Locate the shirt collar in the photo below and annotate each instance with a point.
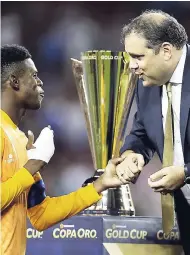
(177, 76)
(7, 119)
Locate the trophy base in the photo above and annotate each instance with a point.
(114, 201)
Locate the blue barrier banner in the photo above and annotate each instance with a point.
(138, 235)
(96, 235)
(79, 235)
(137, 230)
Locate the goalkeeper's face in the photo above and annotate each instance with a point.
(31, 93)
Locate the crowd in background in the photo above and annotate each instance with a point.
(54, 32)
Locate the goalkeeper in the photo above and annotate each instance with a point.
(22, 188)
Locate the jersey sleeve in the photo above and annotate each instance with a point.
(52, 210)
(14, 186)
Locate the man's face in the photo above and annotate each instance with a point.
(152, 68)
(30, 86)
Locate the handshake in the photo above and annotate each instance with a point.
(118, 171)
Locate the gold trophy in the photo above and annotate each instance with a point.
(106, 88)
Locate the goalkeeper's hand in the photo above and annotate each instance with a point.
(40, 152)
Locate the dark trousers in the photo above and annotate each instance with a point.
(182, 208)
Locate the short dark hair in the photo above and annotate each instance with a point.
(11, 57)
(156, 32)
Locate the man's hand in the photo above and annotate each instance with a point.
(43, 148)
(109, 178)
(130, 168)
(40, 152)
(167, 179)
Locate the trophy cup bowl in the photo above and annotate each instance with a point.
(106, 89)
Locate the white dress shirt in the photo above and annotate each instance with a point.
(177, 79)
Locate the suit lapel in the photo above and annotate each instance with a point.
(185, 98)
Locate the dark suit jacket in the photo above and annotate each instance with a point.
(147, 137)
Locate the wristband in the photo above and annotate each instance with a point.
(187, 174)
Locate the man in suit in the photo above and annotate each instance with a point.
(160, 56)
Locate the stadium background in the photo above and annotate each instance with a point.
(54, 32)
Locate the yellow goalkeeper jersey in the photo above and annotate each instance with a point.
(23, 194)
